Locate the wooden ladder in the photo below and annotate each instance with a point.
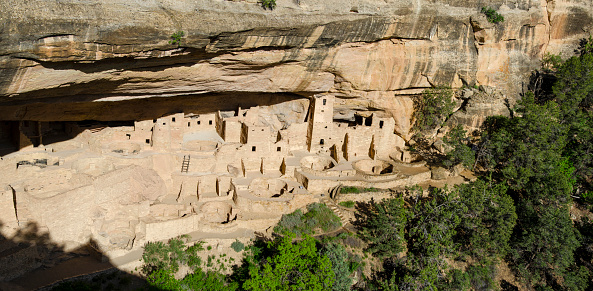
(185, 165)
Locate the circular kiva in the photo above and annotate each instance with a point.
(373, 167)
(267, 187)
(317, 163)
(216, 211)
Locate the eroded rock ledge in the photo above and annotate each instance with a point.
(372, 54)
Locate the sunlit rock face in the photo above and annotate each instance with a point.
(371, 54)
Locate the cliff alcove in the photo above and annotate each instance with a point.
(112, 132)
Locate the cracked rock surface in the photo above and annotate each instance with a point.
(371, 54)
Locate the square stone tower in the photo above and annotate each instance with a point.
(321, 117)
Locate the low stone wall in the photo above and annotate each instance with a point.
(162, 230)
(363, 197)
(315, 184)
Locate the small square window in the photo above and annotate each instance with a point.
(154, 121)
(147, 140)
(173, 119)
(321, 141)
(164, 123)
(210, 122)
(278, 149)
(253, 148)
(199, 122)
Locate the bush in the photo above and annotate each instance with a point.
(349, 190)
(492, 15)
(318, 216)
(268, 4)
(476, 277)
(176, 37)
(347, 204)
(433, 108)
(371, 189)
(237, 246)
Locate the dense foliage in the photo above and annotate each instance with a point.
(162, 261)
(433, 107)
(293, 266)
(317, 217)
(461, 152)
(470, 221)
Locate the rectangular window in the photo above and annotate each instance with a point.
(324, 101)
(278, 149)
(253, 148)
(188, 124)
(210, 122)
(148, 141)
(199, 122)
(173, 119)
(321, 141)
(381, 124)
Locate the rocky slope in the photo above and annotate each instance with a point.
(372, 54)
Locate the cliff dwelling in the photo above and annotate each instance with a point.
(126, 123)
(128, 182)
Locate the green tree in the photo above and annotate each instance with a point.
(381, 225)
(545, 243)
(524, 149)
(162, 261)
(475, 277)
(461, 152)
(487, 226)
(429, 232)
(292, 266)
(574, 94)
(527, 154)
(337, 255)
(168, 256)
(433, 108)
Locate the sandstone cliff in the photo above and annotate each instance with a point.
(372, 54)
